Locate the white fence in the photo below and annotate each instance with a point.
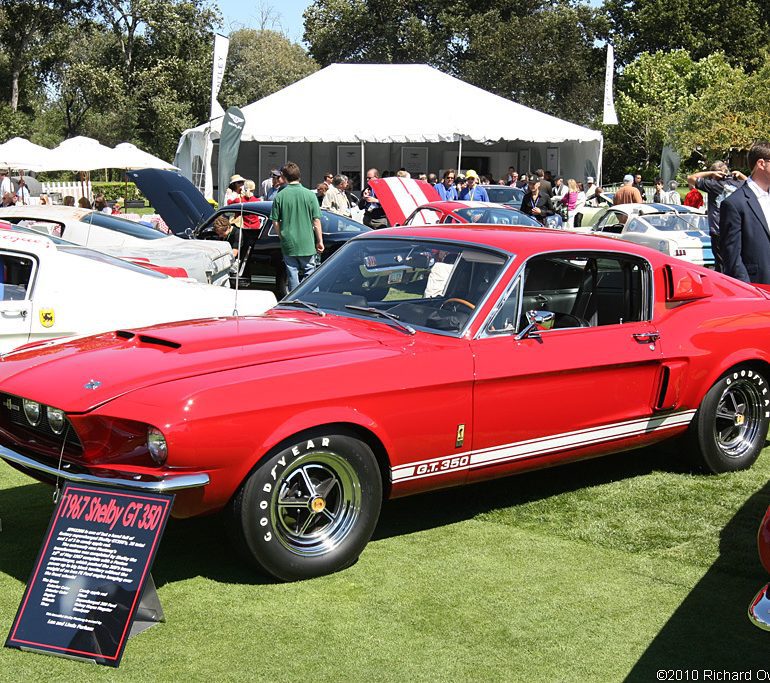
(58, 191)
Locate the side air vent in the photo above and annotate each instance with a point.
(148, 339)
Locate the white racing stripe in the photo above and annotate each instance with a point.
(405, 200)
(496, 455)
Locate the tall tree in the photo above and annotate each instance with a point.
(25, 26)
(728, 114)
(542, 53)
(259, 63)
(738, 29)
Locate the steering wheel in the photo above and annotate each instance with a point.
(458, 301)
(568, 320)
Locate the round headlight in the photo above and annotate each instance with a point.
(56, 419)
(32, 412)
(156, 444)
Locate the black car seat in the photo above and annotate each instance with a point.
(586, 302)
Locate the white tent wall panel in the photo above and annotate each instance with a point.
(576, 159)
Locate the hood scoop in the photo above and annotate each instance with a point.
(147, 339)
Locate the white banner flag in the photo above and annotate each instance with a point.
(221, 46)
(610, 117)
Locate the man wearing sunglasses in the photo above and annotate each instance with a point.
(446, 189)
(744, 222)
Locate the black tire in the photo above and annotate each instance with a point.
(729, 430)
(335, 482)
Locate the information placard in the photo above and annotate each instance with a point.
(89, 576)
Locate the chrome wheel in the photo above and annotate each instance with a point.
(315, 504)
(739, 417)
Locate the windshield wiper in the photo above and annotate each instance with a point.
(383, 314)
(313, 308)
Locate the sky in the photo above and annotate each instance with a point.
(287, 13)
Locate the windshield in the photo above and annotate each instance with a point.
(667, 222)
(423, 283)
(501, 194)
(123, 225)
(332, 223)
(697, 221)
(496, 216)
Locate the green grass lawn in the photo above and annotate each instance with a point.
(605, 570)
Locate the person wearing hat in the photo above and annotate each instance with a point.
(234, 189)
(627, 194)
(590, 187)
(117, 207)
(472, 192)
(271, 185)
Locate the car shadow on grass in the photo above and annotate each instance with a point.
(439, 508)
(710, 630)
(200, 547)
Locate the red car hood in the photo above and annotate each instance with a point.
(400, 196)
(57, 373)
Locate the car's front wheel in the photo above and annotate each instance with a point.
(729, 430)
(311, 508)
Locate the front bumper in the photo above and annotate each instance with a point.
(134, 482)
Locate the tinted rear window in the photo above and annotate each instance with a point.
(105, 220)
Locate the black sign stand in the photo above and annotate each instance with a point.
(149, 612)
(91, 587)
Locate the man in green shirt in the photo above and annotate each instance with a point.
(297, 220)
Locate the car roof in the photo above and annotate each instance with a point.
(517, 239)
(261, 206)
(50, 212)
(654, 207)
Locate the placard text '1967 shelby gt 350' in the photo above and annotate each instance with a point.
(414, 359)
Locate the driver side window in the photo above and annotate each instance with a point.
(583, 290)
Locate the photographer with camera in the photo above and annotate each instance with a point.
(719, 182)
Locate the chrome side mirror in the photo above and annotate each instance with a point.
(759, 610)
(538, 320)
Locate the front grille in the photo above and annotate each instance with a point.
(15, 422)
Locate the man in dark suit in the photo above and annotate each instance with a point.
(536, 203)
(744, 222)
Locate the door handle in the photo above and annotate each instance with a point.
(15, 314)
(541, 299)
(646, 337)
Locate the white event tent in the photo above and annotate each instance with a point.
(21, 154)
(348, 117)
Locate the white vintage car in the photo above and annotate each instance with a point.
(678, 233)
(50, 288)
(202, 260)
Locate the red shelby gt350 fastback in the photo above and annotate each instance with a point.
(414, 359)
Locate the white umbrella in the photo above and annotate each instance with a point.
(81, 154)
(24, 155)
(129, 156)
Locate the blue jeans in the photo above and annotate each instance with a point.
(298, 268)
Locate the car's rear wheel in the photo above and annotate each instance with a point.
(729, 430)
(311, 508)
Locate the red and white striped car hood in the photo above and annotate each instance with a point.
(400, 196)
